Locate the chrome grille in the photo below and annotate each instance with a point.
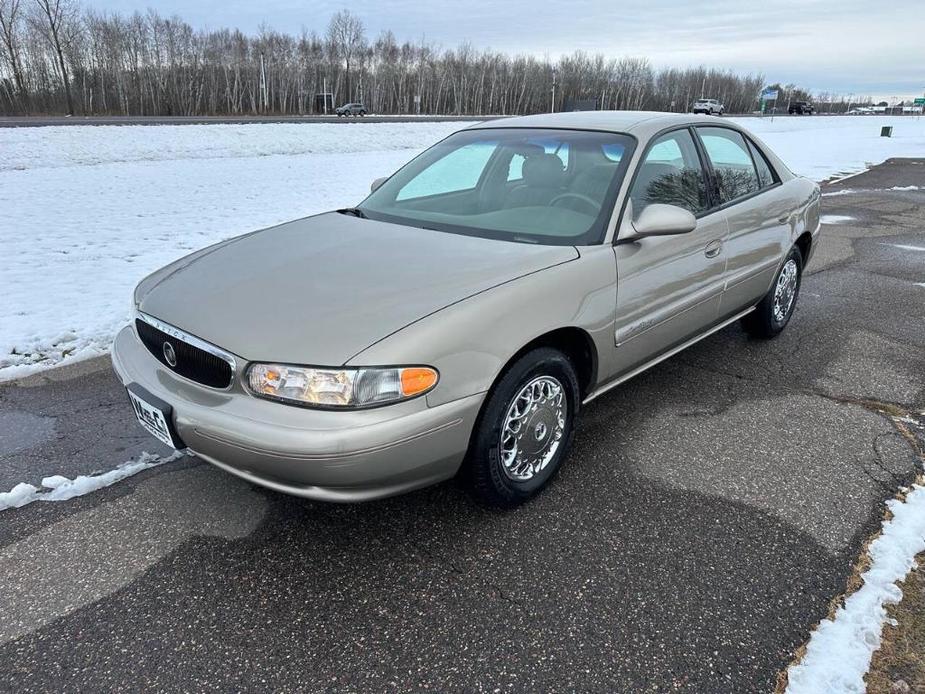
(197, 364)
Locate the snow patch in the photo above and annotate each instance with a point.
(95, 209)
(835, 219)
(62, 147)
(839, 651)
(60, 488)
(827, 147)
(905, 188)
(844, 191)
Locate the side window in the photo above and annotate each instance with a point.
(735, 171)
(671, 173)
(459, 170)
(765, 175)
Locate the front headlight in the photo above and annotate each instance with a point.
(339, 388)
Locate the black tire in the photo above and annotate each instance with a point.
(764, 322)
(489, 478)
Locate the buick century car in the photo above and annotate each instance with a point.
(458, 319)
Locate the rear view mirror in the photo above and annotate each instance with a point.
(664, 220)
(378, 182)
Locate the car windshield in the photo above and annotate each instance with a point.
(554, 187)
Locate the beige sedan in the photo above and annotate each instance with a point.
(461, 316)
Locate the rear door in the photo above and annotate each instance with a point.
(668, 287)
(757, 223)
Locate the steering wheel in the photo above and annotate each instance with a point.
(591, 202)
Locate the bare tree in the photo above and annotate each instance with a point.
(147, 64)
(10, 32)
(346, 38)
(57, 21)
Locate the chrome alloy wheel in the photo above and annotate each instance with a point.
(533, 428)
(785, 291)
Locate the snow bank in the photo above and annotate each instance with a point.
(89, 211)
(822, 147)
(61, 488)
(839, 651)
(67, 146)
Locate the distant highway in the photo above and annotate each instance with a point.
(40, 121)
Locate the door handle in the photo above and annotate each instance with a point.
(713, 248)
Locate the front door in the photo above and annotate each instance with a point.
(668, 287)
(758, 224)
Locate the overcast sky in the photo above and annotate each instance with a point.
(847, 46)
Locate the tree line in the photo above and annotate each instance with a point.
(57, 57)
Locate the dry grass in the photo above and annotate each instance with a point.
(901, 657)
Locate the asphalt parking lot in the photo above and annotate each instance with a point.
(711, 510)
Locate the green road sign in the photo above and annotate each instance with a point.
(919, 102)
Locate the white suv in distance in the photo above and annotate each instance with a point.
(709, 107)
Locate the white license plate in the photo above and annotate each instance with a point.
(153, 418)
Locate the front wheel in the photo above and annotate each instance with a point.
(525, 429)
(773, 312)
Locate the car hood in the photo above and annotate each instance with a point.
(321, 289)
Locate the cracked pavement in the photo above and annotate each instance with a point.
(710, 511)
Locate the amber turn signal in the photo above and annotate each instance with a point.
(416, 380)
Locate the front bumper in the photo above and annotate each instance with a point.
(319, 454)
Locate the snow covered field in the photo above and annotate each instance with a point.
(89, 211)
(85, 212)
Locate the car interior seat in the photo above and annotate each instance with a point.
(543, 179)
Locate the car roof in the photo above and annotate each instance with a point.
(642, 124)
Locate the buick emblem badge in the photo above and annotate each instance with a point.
(170, 354)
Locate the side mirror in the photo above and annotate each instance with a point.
(378, 182)
(664, 220)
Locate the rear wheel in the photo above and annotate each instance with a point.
(773, 313)
(525, 429)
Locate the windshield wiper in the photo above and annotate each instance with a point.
(355, 211)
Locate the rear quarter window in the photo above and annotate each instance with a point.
(732, 162)
(766, 175)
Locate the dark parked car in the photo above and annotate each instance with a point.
(351, 110)
(800, 108)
